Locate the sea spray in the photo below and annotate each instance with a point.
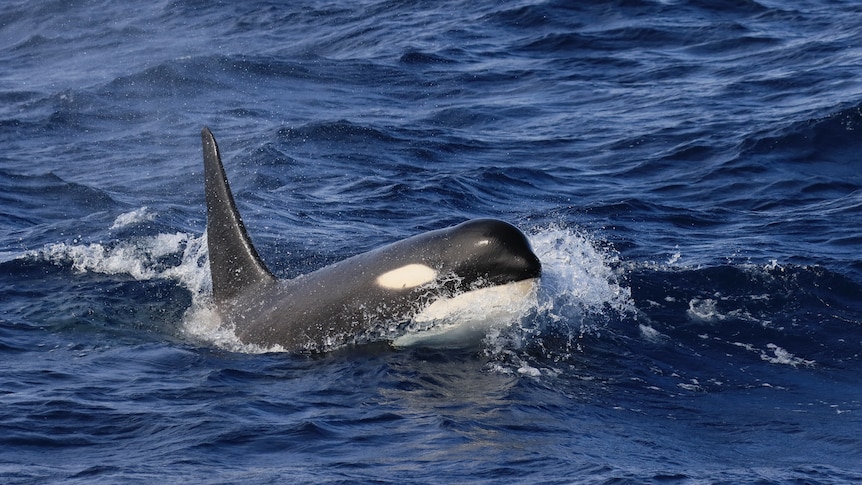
(580, 292)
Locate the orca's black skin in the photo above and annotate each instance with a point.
(342, 303)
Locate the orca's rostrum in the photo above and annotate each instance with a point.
(420, 278)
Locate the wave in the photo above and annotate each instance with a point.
(22, 198)
(830, 138)
(341, 130)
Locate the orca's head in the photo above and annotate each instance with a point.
(486, 271)
(489, 252)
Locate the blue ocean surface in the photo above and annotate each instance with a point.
(688, 171)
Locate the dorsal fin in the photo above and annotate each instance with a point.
(234, 263)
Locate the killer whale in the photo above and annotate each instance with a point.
(359, 299)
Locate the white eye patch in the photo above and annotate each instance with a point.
(409, 276)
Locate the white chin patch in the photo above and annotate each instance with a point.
(464, 320)
(405, 277)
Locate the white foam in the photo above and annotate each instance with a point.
(779, 355)
(707, 311)
(131, 218)
(651, 334)
(203, 323)
(704, 310)
(782, 356)
(140, 258)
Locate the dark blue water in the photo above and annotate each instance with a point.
(690, 173)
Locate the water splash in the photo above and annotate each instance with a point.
(580, 293)
(132, 218)
(577, 275)
(179, 257)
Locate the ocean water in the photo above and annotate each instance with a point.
(689, 172)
